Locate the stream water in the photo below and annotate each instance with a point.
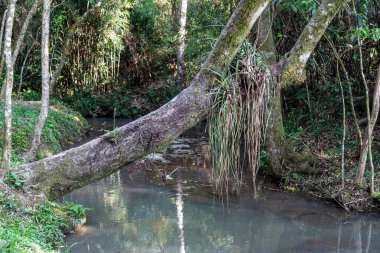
(164, 204)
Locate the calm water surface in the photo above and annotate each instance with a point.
(163, 204)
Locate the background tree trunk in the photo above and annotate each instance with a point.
(36, 138)
(7, 132)
(181, 43)
(369, 131)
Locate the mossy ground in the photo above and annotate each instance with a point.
(37, 229)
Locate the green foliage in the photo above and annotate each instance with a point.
(237, 120)
(62, 125)
(14, 181)
(75, 210)
(226, 129)
(91, 104)
(301, 6)
(37, 229)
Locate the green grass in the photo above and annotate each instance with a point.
(37, 229)
(62, 126)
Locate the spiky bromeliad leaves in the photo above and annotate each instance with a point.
(238, 121)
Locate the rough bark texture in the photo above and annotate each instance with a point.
(282, 158)
(6, 152)
(52, 177)
(181, 42)
(368, 133)
(294, 68)
(36, 138)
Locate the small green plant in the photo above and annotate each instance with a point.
(34, 229)
(296, 176)
(76, 210)
(14, 181)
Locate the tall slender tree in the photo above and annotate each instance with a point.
(181, 42)
(365, 148)
(7, 131)
(45, 80)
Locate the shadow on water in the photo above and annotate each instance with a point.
(166, 205)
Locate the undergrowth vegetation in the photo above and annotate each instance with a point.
(35, 229)
(318, 125)
(39, 228)
(62, 126)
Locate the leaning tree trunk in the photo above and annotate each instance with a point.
(181, 43)
(282, 158)
(7, 131)
(36, 141)
(54, 176)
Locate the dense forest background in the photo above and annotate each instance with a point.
(123, 54)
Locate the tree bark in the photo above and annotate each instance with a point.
(36, 138)
(282, 158)
(294, 71)
(181, 43)
(7, 132)
(368, 133)
(54, 176)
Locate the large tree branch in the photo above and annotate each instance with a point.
(293, 71)
(52, 177)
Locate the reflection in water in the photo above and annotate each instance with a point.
(136, 212)
(179, 204)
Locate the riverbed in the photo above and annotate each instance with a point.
(164, 203)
